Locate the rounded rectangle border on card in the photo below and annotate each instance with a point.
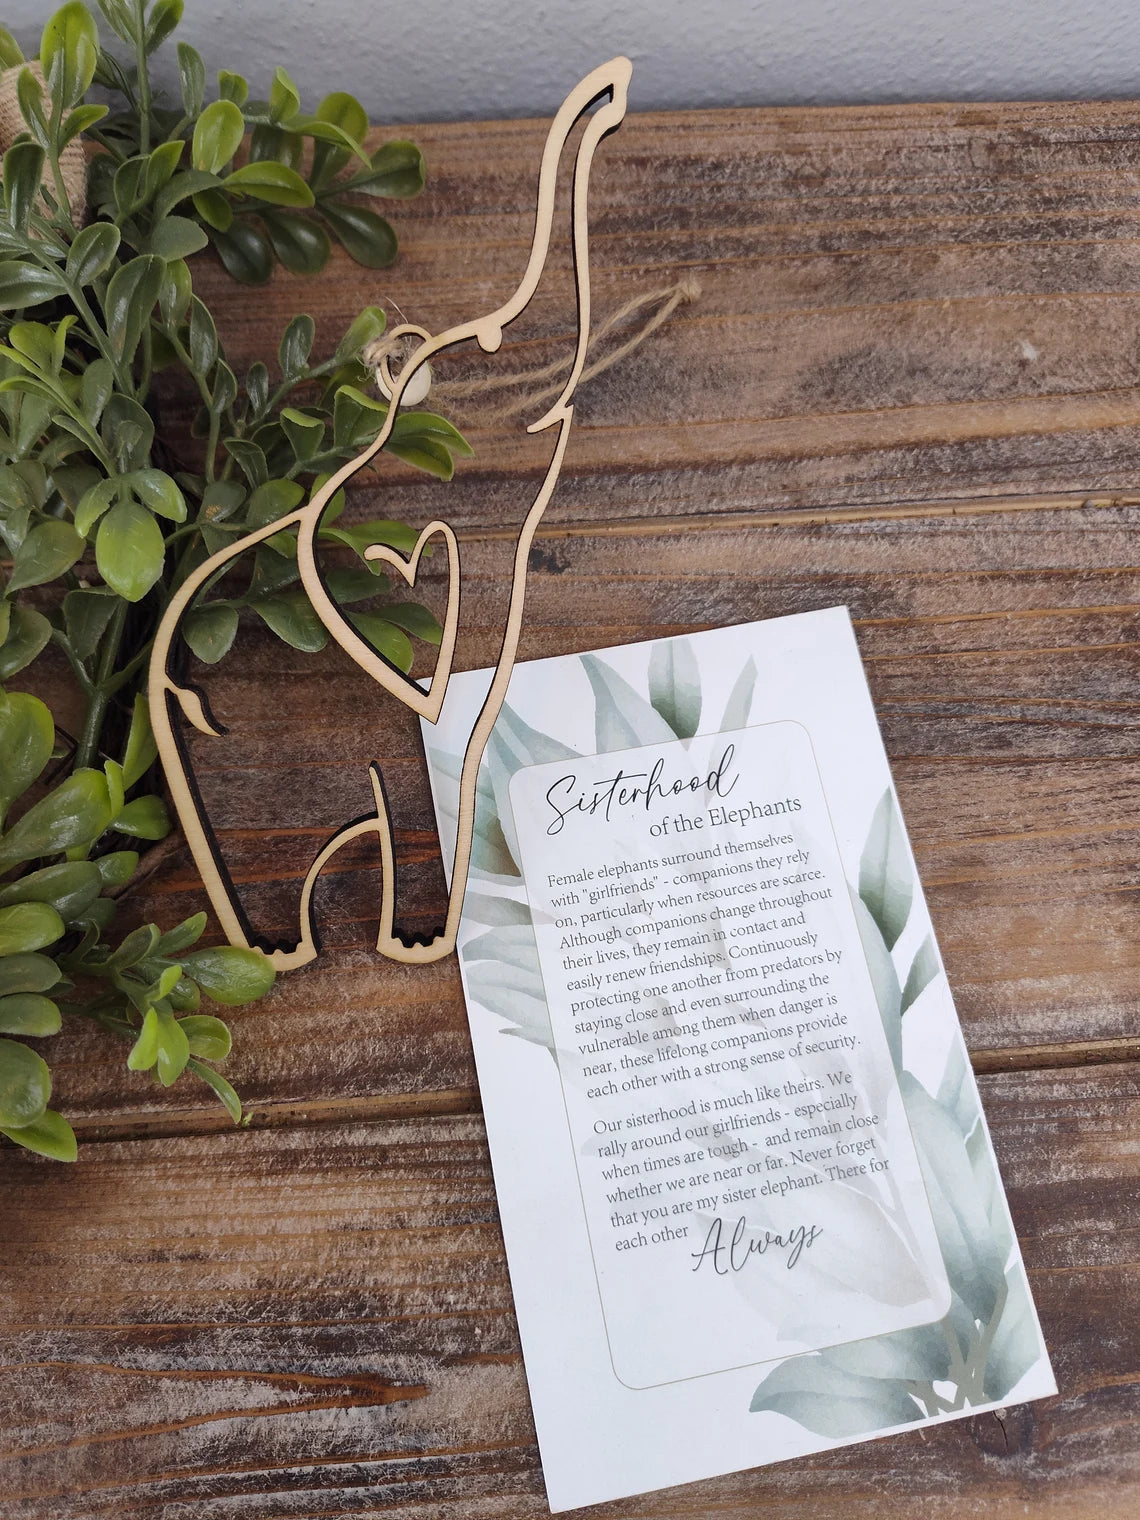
(749, 1182)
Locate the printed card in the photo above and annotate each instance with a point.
(749, 1200)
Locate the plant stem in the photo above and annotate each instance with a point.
(88, 748)
(143, 78)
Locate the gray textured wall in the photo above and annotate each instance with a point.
(455, 59)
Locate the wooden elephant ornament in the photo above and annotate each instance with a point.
(174, 702)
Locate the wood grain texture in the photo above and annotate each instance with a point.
(910, 384)
(1002, 652)
(317, 1322)
(898, 304)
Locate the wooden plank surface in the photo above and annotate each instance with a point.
(909, 384)
(317, 1322)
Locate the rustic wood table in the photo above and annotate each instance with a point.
(911, 383)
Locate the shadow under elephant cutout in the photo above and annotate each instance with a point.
(176, 705)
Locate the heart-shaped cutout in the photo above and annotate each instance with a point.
(426, 703)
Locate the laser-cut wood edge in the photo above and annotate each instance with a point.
(167, 694)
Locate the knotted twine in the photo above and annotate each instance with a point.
(545, 383)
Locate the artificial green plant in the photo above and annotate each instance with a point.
(103, 513)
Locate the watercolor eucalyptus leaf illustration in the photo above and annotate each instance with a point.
(675, 686)
(885, 884)
(482, 908)
(989, 1339)
(739, 705)
(623, 718)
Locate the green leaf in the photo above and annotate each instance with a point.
(27, 735)
(164, 18)
(10, 54)
(50, 1135)
(249, 457)
(183, 935)
(131, 295)
(141, 750)
(385, 638)
(117, 868)
(29, 1014)
(160, 167)
(144, 818)
(139, 945)
(177, 237)
(417, 426)
(115, 789)
(191, 78)
(129, 550)
(885, 880)
(96, 389)
(361, 536)
(270, 181)
(397, 172)
(300, 244)
(246, 254)
(69, 51)
(217, 136)
(27, 973)
(208, 1037)
(415, 619)
(344, 111)
(144, 1052)
(356, 583)
(232, 87)
(365, 329)
(366, 237)
(129, 186)
(210, 631)
(86, 614)
(24, 285)
(23, 169)
(357, 418)
(424, 453)
(305, 434)
(28, 632)
(272, 500)
(284, 99)
(675, 686)
(214, 209)
(25, 927)
(272, 571)
(174, 292)
(219, 1084)
(49, 550)
(203, 338)
(69, 888)
(30, 96)
(295, 347)
(230, 974)
(25, 1085)
(156, 489)
(81, 120)
(291, 617)
(128, 431)
(70, 817)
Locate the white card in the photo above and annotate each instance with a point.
(749, 1201)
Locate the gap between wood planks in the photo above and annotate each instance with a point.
(630, 527)
(451, 1102)
(458, 1101)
